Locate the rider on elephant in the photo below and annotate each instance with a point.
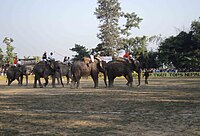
(51, 58)
(127, 56)
(44, 56)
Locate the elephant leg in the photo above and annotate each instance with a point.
(95, 80)
(67, 79)
(46, 81)
(72, 86)
(9, 82)
(58, 80)
(77, 81)
(53, 81)
(127, 78)
(130, 79)
(35, 82)
(110, 81)
(105, 80)
(139, 75)
(61, 80)
(40, 84)
(78, 84)
(73, 82)
(146, 81)
(26, 80)
(19, 81)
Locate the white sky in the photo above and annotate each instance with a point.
(57, 25)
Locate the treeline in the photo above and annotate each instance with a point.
(181, 52)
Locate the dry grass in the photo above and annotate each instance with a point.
(165, 107)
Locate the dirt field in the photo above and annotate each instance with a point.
(166, 107)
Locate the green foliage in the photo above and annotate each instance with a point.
(8, 58)
(137, 45)
(183, 50)
(1, 57)
(132, 21)
(81, 51)
(152, 61)
(195, 30)
(37, 58)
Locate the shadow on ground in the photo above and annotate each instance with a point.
(165, 107)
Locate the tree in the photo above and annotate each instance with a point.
(1, 57)
(152, 61)
(183, 50)
(8, 58)
(111, 33)
(81, 52)
(195, 30)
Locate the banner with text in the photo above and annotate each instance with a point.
(178, 74)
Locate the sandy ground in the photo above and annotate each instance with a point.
(165, 107)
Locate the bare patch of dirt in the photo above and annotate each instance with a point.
(165, 107)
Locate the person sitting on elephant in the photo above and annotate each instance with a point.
(19, 63)
(127, 56)
(98, 57)
(51, 58)
(66, 60)
(44, 56)
(15, 61)
(92, 55)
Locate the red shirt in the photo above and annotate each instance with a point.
(15, 61)
(127, 55)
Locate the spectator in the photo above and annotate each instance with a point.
(146, 75)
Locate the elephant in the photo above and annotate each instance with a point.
(18, 72)
(122, 68)
(65, 71)
(44, 69)
(83, 69)
(13, 73)
(25, 70)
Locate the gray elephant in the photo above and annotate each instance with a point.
(83, 69)
(123, 68)
(18, 72)
(25, 70)
(45, 69)
(13, 73)
(65, 70)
